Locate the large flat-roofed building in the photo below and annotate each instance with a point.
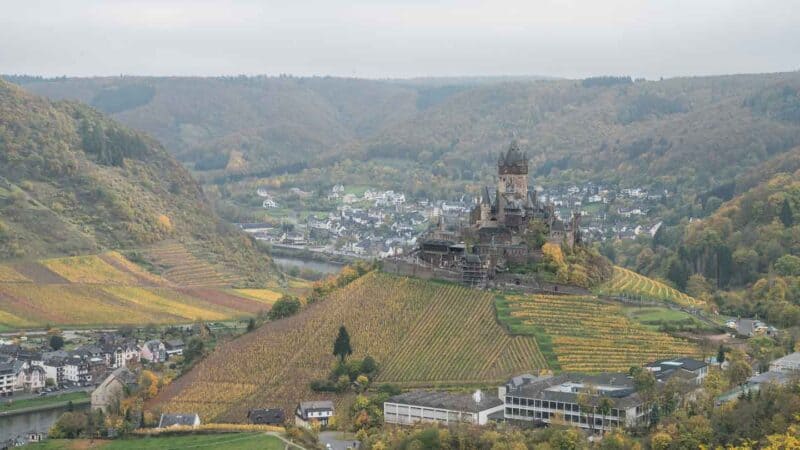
(544, 400)
(440, 407)
(788, 363)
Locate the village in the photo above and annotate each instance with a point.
(367, 222)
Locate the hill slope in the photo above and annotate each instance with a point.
(422, 334)
(74, 182)
(108, 289)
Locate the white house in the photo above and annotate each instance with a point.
(9, 370)
(174, 347)
(54, 370)
(310, 412)
(269, 203)
(76, 369)
(122, 355)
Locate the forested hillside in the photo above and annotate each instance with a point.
(691, 134)
(74, 182)
(744, 255)
(254, 125)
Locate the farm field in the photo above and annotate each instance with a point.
(223, 441)
(584, 334)
(629, 283)
(108, 289)
(420, 333)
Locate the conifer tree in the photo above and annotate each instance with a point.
(341, 346)
(786, 214)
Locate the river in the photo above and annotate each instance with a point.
(39, 421)
(316, 266)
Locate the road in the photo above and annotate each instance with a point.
(338, 440)
(25, 396)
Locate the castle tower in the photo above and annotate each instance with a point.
(512, 170)
(512, 180)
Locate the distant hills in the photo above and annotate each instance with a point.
(73, 182)
(692, 133)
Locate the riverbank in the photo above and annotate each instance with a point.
(309, 254)
(29, 405)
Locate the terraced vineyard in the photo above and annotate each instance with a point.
(8, 274)
(108, 289)
(421, 333)
(185, 269)
(586, 335)
(629, 283)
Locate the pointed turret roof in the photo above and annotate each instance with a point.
(513, 155)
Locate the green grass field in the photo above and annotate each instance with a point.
(228, 441)
(13, 405)
(654, 318)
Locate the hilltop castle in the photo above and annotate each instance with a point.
(501, 223)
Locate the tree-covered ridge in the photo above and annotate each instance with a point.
(74, 182)
(683, 133)
(745, 257)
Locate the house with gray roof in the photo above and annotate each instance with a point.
(440, 407)
(266, 416)
(111, 391)
(319, 412)
(179, 420)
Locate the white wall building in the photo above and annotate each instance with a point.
(440, 407)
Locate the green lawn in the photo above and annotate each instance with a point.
(654, 318)
(228, 441)
(75, 397)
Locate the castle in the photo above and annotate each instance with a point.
(501, 221)
(500, 225)
(513, 205)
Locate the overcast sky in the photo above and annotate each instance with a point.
(404, 38)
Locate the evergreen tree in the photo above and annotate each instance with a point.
(721, 354)
(341, 346)
(786, 214)
(678, 273)
(251, 324)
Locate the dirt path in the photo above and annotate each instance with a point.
(289, 444)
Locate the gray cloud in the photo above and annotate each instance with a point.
(399, 38)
